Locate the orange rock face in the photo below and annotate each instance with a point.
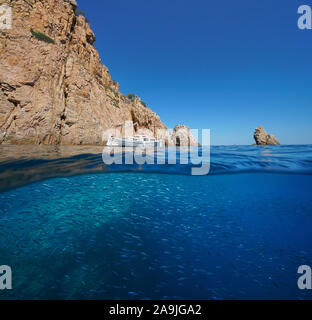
(58, 93)
(263, 138)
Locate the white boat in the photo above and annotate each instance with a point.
(135, 141)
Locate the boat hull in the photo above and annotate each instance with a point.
(119, 142)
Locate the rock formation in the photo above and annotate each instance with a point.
(57, 91)
(181, 136)
(263, 138)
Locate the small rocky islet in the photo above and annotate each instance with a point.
(263, 138)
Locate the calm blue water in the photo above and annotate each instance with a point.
(238, 233)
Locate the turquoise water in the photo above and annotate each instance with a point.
(240, 232)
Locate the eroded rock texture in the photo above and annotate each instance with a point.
(182, 136)
(263, 138)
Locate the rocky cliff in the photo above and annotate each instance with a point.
(263, 138)
(53, 87)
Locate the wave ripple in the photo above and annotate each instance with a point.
(21, 165)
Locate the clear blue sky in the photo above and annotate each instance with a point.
(225, 65)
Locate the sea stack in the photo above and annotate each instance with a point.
(182, 136)
(263, 138)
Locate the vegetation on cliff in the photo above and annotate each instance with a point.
(41, 36)
(131, 96)
(79, 12)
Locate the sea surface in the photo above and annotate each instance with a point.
(72, 227)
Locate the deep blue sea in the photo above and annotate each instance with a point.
(73, 228)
